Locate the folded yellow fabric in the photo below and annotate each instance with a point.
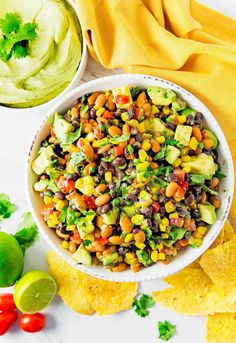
(180, 40)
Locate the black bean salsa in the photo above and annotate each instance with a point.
(129, 177)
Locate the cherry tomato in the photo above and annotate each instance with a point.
(66, 185)
(7, 302)
(7, 318)
(180, 174)
(118, 151)
(32, 322)
(179, 193)
(183, 184)
(47, 209)
(122, 99)
(155, 207)
(90, 201)
(102, 241)
(176, 221)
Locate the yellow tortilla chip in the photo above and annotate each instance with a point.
(68, 279)
(109, 297)
(193, 293)
(228, 232)
(86, 294)
(221, 328)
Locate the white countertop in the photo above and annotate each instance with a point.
(64, 325)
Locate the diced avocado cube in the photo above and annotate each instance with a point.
(61, 126)
(183, 134)
(53, 187)
(40, 164)
(109, 259)
(154, 125)
(187, 111)
(129, 210)
(154, 110)
(209, 134)
(143, 257)
(85, 225)
(53, 173)
(41, 185)
(207, 213)
(202, 164)
(172, 154)
(110, 217)
(178, 105)
(83, 256)
(125, 91)
(161, 96)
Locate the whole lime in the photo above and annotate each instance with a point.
(11, 260)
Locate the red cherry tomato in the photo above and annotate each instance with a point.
(118, 151)
(179, 193)
(32, 322)
(180, 174)
(155, 207)
(90, 201)
(183, 184)
(7, 302)
(7, 318)
(102, 241)
(176, 221)
(66, 185)
(122, 99)
(47, 209)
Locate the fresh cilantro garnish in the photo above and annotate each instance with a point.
(142, 305)
(27, 231)
(134, 91)
(83, 109)
(130, 149)
(124, 192)
(162, 182)
(108, 158)
(116, 202)
(161, 170)
(166, 330)
(174, 142)
(71, 217)
(87, 242)
(200, 145)
(103, 127)
(6, 207)
(219, 174)
(119, 139)
(208, 190)
(161, 154)
(62, 216)
(144, 257)
(15, 38)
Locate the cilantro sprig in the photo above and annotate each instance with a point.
(142, 305)
(166, 330)
(15, 37)
(6, 207)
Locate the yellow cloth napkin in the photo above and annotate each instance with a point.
(180, 40)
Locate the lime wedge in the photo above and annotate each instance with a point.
(34, 291)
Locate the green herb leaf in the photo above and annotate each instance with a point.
(19, 51)
(71, 217)
(119, 139)
(62, 216)
(142, 304)
(10, 23)
(83, 109)
(162, 182)
(87, 242)
(143, 257)
(166, 330)
(124, 192)
(200, 145)
(134, 91)
(130, 149)
(161, 154)
(6, 207)
(27, 231)
(219, 175)
(198, 178)
(208, 190)
(108, 158)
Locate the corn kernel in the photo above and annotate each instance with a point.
(160, 139)
(197, 234)
(161, 256)
(146, 145)
(60, 204)
(47, 200)
(71, 227)
(72, 148)
(187, 169)
(90, 237)
(162, 227)
(99, 143)
(140, 245)
(140, 178)
(120, 259)
(65, 245)
(195, 241)
(169, 207)
(202, 229)
(174, 251)
(173, 215)
(108, 177)
(182, 119)
(155, 197)
(166, 110)
(160, 247)
(52, 220)
(100, 111)
(177, 162)
(193, 143)
(142, 127)
(142, 155)
(130, 258)
(143, 166)
(90, 137)
(164, 235)
(137, 219)
(184, 151)
(125, 116)
(186, 158)
(154, 110)
(129, 238)
(133, 122)
(165, 221)
(70, 168)
(154, 256)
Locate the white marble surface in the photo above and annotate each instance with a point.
(64, 325)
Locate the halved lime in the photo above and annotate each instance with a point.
(34, 291)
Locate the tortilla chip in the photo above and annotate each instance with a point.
(86, 294)
(221, 328)
(228, 232)
(109, 297)
(67, 279)
(192, 293)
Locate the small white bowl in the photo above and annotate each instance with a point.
(185, 257)
(74, 82)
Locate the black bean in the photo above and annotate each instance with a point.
(172, 178)
(72, 177)
(187, 177)
(76, 122)
(181, 212)
(112, 185)
(120, 174)
(60, 167)
(92, 113)
(190, 119)
(97, 178)
(134, 130)
(118, 161)
(122, 250)
(198, 118)
(74, 208)
(62, 228)
(113, 194)
(60, 195)
(67, 117)
(136, 191)
(195, 215)
(122, 201)
(196, 189)
(163, 199)
(136, 230)
(149, 222)
(170, 125)
(155, 227)
(105, 208)
(132, 197)
(190, 199)
(198, 197)
(162, 210)
(162, 116)
(103, 167)
(147, 211)
(207, 151)
(139, 138)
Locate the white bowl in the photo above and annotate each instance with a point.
(74, 82)
(185, 257)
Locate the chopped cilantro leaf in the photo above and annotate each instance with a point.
(208, 190)
(161, 154)
(87, 242)
(142, 304)
(6, 207)
(27, 231)
(62, 216)
(130, 149)
(134, 91)
(166, 330)
(219, 174)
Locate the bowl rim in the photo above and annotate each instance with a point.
(73, 83)
(120, 277)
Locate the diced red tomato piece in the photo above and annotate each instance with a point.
(180, 174)
(65, 185)
(102, 241)
(118, 151)
(52, 132)
(176, 221)
(179, 193)
(155, 207)
(47, 209)
(122, 99)
(183, 184)
(90, 201)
